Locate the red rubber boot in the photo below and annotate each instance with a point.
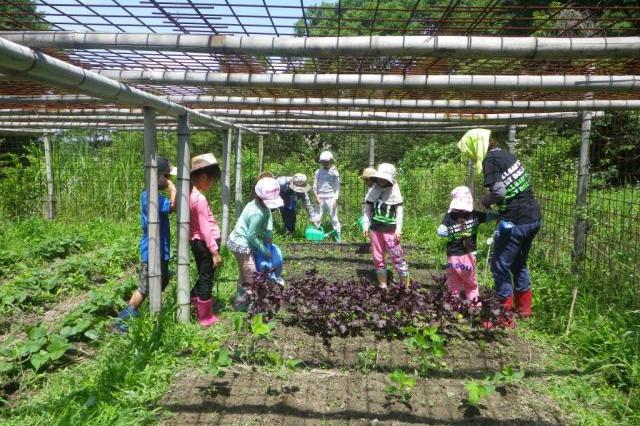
(206, 317)
(504, 320)
(524, 300)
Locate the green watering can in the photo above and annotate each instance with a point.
(312, 233)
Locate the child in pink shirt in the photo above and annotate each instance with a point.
(204, 234)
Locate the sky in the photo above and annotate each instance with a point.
(101, 17)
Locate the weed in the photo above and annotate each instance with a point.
(401, 386)
(366, 360)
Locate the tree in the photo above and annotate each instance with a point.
(20, 15)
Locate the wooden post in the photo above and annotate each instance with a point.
(580, 230)
(51, 196)
(226, 184)
(182, 208)
(512, 138)
(260, 153)
(372, 150)
(239, 174)
(153, 218)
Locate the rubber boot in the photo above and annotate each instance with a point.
(405, 280)
(382, 278)
(206, 317)
(338, 237)
(126, 313)
(523, 303)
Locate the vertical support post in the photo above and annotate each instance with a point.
(51, 196)
(470, 175)
(512, 138)
(372, 150)
(260, 153)
(239, 174)
(153, 218)
(183, 218)
(226, 184)
(580, 230)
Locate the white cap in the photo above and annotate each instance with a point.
(387, 172)
(326, 156)
(268, 190)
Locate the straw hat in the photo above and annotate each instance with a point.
(298, 183)
(368, 173)
(268, 190)
(203, 161)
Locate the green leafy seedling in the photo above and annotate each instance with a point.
(508, 376)
(366, 360)
(220, 362)
(259, 328)
(401, 386)
(477, 391)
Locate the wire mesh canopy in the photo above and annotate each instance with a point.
(371, 57)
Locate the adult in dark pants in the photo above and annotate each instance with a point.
(509, 188)
(292, 189)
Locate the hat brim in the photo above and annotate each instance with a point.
(299, 189)
(208, 166)
(461, 205)
(274, 204)
(385, 176)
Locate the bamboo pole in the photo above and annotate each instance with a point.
(36, 66)
(512, 139)
(372, 150)
(226, 183)
(153, 218)
(326, 102)
(238, 175)
(260, 153)
(134, 114)
(504, 83)
(51, 196)
(426, 45)
(182, 208)
(580, 230)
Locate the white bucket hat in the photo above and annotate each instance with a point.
(326, 156)
(461, 199)
(387, 172)
(298, 183)
(202, 161)
(268, 190)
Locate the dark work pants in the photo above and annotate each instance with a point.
(509, 262)
(204, 264)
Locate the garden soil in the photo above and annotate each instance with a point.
(333, 389)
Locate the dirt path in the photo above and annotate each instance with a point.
(333, 389)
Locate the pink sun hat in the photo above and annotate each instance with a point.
(268, 190)
(461, 199)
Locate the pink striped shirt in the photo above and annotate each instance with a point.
(203, 225)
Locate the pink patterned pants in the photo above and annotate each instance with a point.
(461, 273)
(386, 241)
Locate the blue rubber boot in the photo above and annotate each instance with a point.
(126, 313)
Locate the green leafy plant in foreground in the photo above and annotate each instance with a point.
(39, 348)
(366, 360)
(401, 386)
(477, 391)
(428, 346)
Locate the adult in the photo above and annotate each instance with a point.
(293, 189)
(508, 186)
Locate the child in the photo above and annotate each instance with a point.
(383, 221)
(253, 232)
(165, 206)
(326, 186)
(204, 235)
(460, 227)
(293, 189)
